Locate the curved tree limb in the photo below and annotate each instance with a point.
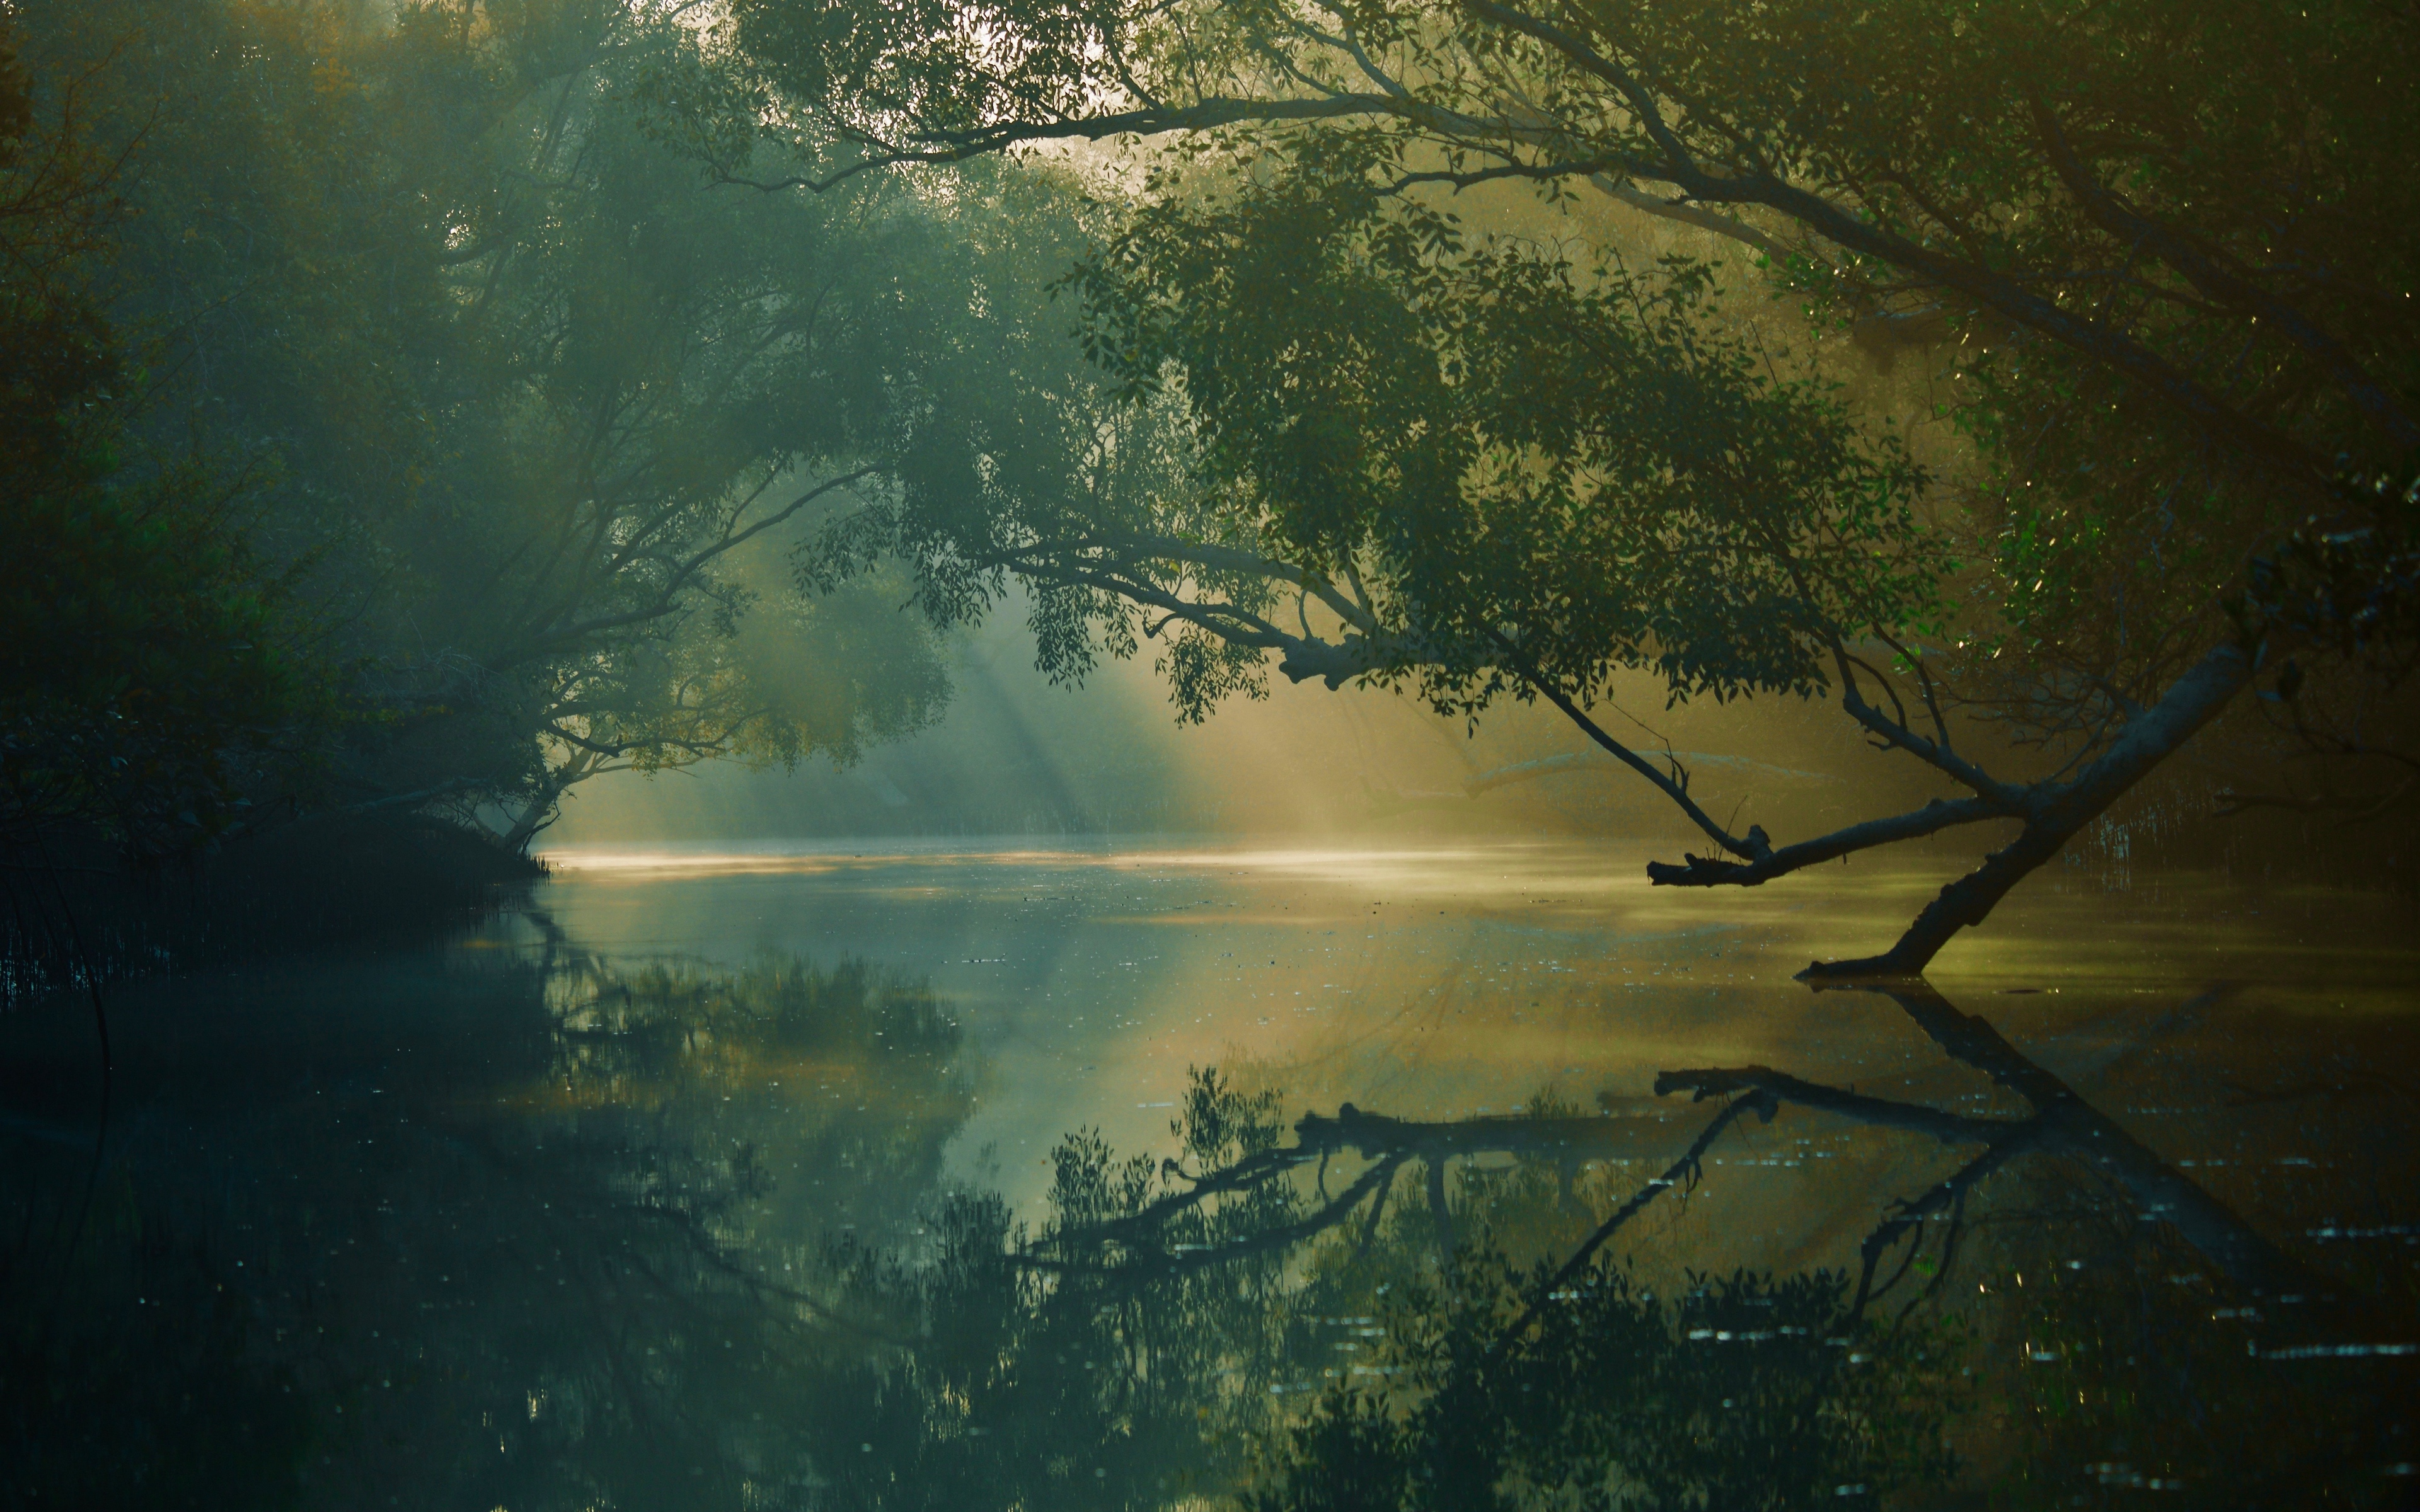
(1753, 845)
(2053, 812)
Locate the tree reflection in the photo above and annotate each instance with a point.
(1040, 1382)
(520, 1232)
(1468, 1344)
(660, 1235)
(693, 1136)
(2154, 1350)
(1745, 1391)
(2057, 1122)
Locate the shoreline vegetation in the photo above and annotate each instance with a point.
(1953, 462)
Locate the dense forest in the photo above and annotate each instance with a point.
(402, 417)
(419, 410)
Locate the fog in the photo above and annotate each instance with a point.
(1014, 755)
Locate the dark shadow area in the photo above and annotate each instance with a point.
(344, 881)
(508, 1229)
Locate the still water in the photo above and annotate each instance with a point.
(1156, 1177)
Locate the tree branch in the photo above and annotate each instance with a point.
(2121, 219)
(2225, 425)
(1754, 845)
(2053, 813)
(1950, 1128)
(1935, 816)
(1896, 734)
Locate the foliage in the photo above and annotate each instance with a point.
(519, 408)
(156, 689)
(2153, 256)
(1082, 1384)
(2341, 598)
(2165, 238)
(1744, 1391)
(1496, 442)
(155, 681)
(1449, 442)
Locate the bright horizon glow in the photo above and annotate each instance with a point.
(1247, 853)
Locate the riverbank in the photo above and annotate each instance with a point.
(341, 880)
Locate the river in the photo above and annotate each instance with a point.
(1162, 1174)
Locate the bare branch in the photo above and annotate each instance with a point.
(1896, 733)
(1950, 1128)
(1754, 845)
(1935, 816)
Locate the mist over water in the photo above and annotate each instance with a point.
(1443, 980)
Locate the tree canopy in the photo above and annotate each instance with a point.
(2150, 255)
(421, 335)
(490, 378)
(153, 680)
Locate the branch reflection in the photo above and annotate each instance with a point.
(591, 1233)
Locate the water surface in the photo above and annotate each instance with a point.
(1157, 1175)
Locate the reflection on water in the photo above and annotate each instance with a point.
(903, 1180)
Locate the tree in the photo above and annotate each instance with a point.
(657, 378)
(1517, 1362)
(2158, 249)
(154, 678)
(522, 406)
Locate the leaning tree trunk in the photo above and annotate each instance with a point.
(536, 816)
(2055, 813)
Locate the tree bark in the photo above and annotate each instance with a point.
(2054, 813)
(539, 815)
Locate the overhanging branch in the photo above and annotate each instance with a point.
(1753, 845)
(1940, 815)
